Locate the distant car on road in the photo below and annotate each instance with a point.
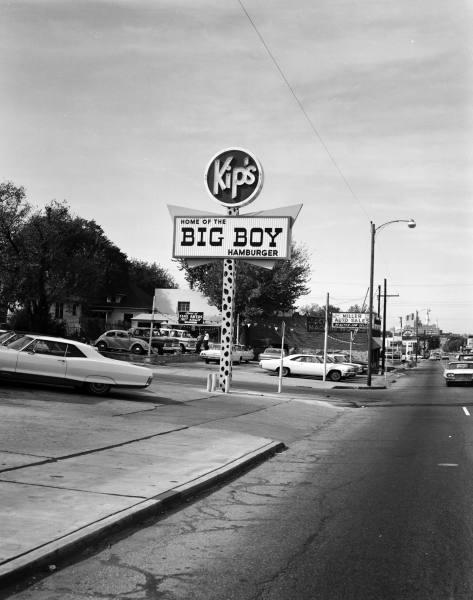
(51, 360)
(121, 340)
(308, 365)
(459, 372)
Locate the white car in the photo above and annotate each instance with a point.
(308, 365)
(59, 361)
(239, 353)
(342, 359)
(458, 372)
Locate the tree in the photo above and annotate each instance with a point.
(50, 255)
(314, 310)
(259, 292)
(356, 308)
(149, 276)
(454, 343)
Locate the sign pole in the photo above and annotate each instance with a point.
(151, 326)
(281, 363)
(326, 338)
(228, 302)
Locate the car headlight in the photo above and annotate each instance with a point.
(451, 375)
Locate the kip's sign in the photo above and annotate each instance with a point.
(234, 177)
(232, 237)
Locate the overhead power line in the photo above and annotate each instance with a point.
(301, 106)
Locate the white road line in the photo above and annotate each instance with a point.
(447, 464)
(466, 411)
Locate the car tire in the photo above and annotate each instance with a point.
(137, 349)
(285, 372)
(334, 375)
(102, 347)
(98, 389)
(449, 383)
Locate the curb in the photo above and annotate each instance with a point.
(46, 557)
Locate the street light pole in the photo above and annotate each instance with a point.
(411, 224)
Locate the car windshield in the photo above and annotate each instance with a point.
(20, 343)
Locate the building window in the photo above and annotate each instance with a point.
(74, 310)
(183, 306)
(59, 310)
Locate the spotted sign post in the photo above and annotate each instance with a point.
(233, 178)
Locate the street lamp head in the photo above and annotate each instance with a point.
(411, 223)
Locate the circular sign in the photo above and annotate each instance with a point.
(234, 177)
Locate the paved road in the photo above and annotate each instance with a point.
(375, 504)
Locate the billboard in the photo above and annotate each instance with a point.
(232, 237)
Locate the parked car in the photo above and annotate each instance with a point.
(186, 341)
(59, 361)
(308, 365)
(435, 356)
(239, 353)
(8, 337)
(271, 353)
(247, 353)
(343, 359)
(459, 372)
(121, 340)
(161, 343)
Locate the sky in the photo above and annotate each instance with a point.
(360, 111)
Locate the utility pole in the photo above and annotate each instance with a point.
(385, 297)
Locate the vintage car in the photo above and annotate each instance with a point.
(240, 353)
(121, 341)
(187, 343)
(459, 372)
(271, 353)
(343, 359)
(59, 361)
(308, 365)
(159, 341)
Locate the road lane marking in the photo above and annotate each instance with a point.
(466, 411)
(447, 464)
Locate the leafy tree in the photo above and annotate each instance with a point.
(454, 343)
(356, 308)
(259, 292)
(149, 276)
(314, 310)
(50, 255)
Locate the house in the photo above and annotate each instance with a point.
(170, 303)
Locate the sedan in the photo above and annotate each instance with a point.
(458, 372)
(59, 361)
(308, 365)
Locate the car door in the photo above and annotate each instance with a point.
(298, 365)
(122, 340)
(42, 360)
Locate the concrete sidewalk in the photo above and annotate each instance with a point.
(70, 472)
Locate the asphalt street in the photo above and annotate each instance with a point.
(371, 502)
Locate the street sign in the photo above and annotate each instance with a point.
(234, 177)
(232, 237)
